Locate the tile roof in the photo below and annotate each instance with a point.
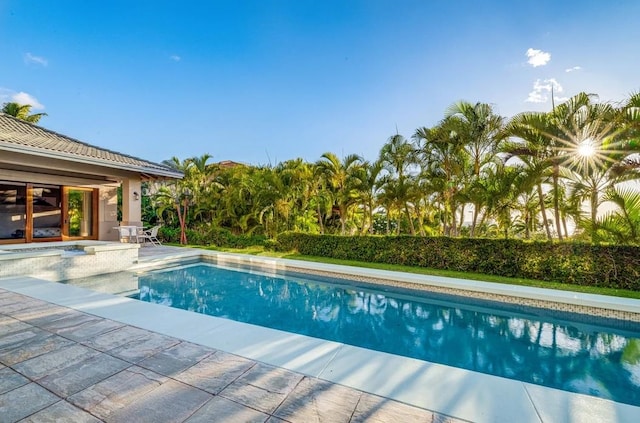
(24, 137)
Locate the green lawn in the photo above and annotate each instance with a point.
(260, 251)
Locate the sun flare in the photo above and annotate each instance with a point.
(586, 148)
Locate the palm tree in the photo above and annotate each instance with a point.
(22, 112)
(543, 148)
(503, 187)
(343, 180)
(602, 154)
(391, 198)
(177, 194)
(369, 190)
(321, 197)
(532, 152)
(623, 224)
(443, 160)
(481, 130)
(397, 156)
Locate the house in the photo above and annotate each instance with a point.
(56, 188)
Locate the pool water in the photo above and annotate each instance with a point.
(601, 358)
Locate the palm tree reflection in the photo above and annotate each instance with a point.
(556, 353)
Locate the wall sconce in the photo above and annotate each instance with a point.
(136, 196)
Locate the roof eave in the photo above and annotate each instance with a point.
(168, 173)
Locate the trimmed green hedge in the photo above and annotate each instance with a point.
(612, 266)
(212, 236)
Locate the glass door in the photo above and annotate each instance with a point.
(79, 211)
(46, 217)
(13, 212)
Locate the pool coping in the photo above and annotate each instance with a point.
(448, 390)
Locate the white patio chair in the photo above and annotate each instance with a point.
(151, 235)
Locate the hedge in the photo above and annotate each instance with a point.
(612, 266)
(211, 236)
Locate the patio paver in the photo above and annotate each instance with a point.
(24, 401)
(263, 387)
(171, 402)
(315, 401)
(10, 380)
(225, 410)
(38, 343)
(118, 391)
(89, 329)
(78, 376)
(116, 338)
(61, 411)
(176, 359)
(215, 372)
(143, 347)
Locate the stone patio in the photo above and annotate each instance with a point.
(58, 364)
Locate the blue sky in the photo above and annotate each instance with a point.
(265, 81)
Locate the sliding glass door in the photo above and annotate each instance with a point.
(13, 212)
(47, 212)
(39, 212)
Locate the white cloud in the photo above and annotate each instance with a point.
(538, 57)
(575, 68)
(542, 89)
(24, 98)
(175, 57)
(36, 60)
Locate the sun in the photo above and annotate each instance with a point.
(586, 148)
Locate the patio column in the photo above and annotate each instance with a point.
(131, 202)
(108, 213)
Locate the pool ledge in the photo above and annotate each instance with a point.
(448, 390)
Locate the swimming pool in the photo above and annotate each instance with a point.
(560, 350)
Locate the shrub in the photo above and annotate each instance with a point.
(612, 266)
(204, 235)
(169, 234)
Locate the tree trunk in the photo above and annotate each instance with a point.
(411, 227)
(420, 221)
(320, 220)
(182, 217)
(594, 216)
(483, 218)
(370, 218)
(543, 210)
(556, 201)
(453, 226)
(388, 223)
(474, 220)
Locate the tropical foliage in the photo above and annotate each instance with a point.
(570, 173)
(22, 112)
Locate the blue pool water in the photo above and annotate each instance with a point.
(601, 358)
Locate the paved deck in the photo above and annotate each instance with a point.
(59, 364)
